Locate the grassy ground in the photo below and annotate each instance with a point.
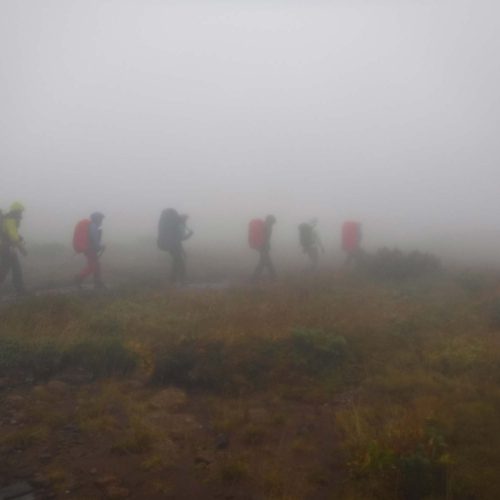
(338, 388)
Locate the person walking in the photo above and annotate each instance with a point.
(260, 234)
(172, 232)
(311, 242)
(11, 244)
(351, 242)
(87, 240)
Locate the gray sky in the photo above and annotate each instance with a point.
(382, 110)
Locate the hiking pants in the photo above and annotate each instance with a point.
(352, 258)
(178, 269)
(93, 267)
(10, 263)
(265, 263)
(313, 254)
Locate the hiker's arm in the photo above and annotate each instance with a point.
(188, 234)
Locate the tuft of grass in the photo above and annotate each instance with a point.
(25, 438)
(317, 351)
(233, 471)
(136, 439)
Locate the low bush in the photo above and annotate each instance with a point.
(198, 363)
(410, 461)
(102, 357)
(394, 264)
(41, 358)
(317, 351)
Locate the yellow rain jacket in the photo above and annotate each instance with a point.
(11, 230)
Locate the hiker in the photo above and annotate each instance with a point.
(185, 231)
(172, 232)
(87, 240)
(351, 242)
(311, 242)
(12, 243)
(260, 232)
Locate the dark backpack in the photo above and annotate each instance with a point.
(306, 235)
(169, 229)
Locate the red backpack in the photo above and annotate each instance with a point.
(256, 234)
(351, 236)
(81, 240)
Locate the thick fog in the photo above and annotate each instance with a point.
(385, 111)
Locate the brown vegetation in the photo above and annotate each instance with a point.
(341, 388)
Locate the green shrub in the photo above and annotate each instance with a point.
(393, 264)
(414, 466)
(193, 363)
(316, 351)
(102, 357)
(214, 364)
(421, 476)
(42, 358)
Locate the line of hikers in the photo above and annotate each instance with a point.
(172, 232)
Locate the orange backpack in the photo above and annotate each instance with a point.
(256, 234)
(81, 240)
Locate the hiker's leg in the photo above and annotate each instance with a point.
(96, 266)
(174, 270)
(89, 267)
(260, 266)
(314, 256)
(4, 265)
(17, 273)
(182, 267)
(268, 263)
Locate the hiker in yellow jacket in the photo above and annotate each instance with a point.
(12, 243)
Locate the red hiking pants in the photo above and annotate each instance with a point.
(93, 266)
